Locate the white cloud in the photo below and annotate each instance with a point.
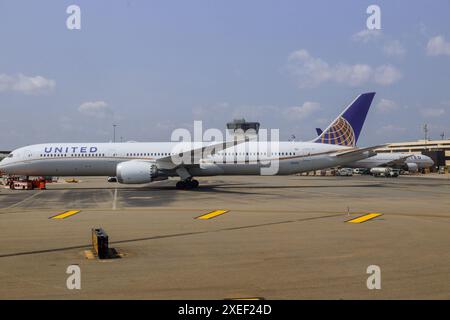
(367, 35)
(353, 75)
(389, 47)
(386, 75)
(438, 46)
(26, 84)
(311, 72)
(98, 109)
(386, 105)
(301, 112)
(394, 49)
(432, 112)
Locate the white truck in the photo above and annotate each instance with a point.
(384, 172)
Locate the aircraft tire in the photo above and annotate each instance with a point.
(194, 183)
(181, 185)
(188, 184)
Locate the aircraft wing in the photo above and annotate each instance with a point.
(191, 157)
(353, 152)
(399, 161)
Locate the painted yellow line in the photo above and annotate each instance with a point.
(88, 254)
(211, 214)
(65, 214)
(365, 217)
(252, 298)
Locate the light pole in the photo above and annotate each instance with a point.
(114, 132)
(425, 130)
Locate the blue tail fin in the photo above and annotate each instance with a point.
(345, 129)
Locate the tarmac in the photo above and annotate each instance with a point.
(273, 237)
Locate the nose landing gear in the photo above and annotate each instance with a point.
(187, 184)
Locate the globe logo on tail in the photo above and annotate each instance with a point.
(340, 133)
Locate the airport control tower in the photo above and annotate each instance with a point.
(242, 128)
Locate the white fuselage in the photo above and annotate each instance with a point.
(101, 159)
(382, 159)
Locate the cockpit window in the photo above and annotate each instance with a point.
(10, 155)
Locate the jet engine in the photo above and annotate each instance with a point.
(412, 167)
(134, 172)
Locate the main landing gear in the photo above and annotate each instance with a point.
(187, 184)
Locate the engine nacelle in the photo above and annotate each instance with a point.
(412, 167)
(134, 172)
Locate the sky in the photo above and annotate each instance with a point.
(154, 66)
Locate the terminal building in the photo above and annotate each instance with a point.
(438, 150)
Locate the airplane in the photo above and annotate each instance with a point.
(138, 163)
(404, 161)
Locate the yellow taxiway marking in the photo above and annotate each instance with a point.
(65, 214)
(88, 254)
(211, 214)
(252, 298)
(365, 217)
